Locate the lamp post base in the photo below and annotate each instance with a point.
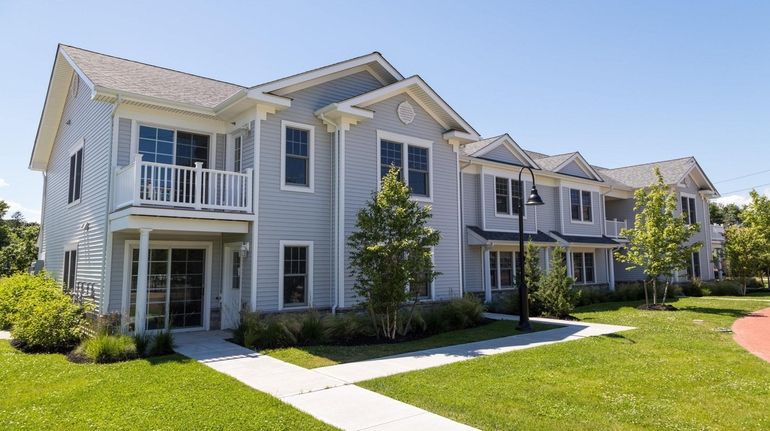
(524, 326)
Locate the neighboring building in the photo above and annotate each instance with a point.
(178, 200)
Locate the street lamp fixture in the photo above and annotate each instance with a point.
(533, 200)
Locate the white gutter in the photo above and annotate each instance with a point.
(336, 210)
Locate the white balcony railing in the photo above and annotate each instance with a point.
(614, 227)
(159, 184)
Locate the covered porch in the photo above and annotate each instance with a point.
(177, 274)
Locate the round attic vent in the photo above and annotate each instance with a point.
(405, 112)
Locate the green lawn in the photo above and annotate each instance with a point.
(45, 392)
(321, 356)
(673, 372)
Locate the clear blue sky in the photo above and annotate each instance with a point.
(622, 82)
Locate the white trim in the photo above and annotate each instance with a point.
(227, 278)
(512, 146)
(509, 214)
(170, 244)
(181, 213)
(460, 215)
(580, 194)
(582, 163)
(212, 140)
(406, 141)
(127, 221)
(583, 251)
(282, 244)
(310, 187)
(483, 199)
(80, 145)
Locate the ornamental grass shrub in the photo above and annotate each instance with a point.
(105, 349)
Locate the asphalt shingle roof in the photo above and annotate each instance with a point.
(474, 147)
(643, 175)
(552, 162)
(510, 236)
(152, 81)
(574, 239)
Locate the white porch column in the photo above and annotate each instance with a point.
(568, 258)
(547, 259)
(141, 280)
(485, 277)
(611, 268)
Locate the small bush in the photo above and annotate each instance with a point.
(54, 325)
(555, 295)
(104, 349)
(506, 303)
(463, 312)
(346, 327)
(162, 344)
(311, 329)
(275, 334)
(724, 288)
(694, 288)
(142, 343)
(754, 283)
(628, 292)
(15, 289)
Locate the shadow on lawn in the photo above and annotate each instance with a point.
(619, 337)
(731, 312)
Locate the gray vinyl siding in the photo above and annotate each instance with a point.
(219, 151)
(91, 121)
(247, 148)
(473, 269)
(361, 176)
(299, 216)
(620, 209)
(124, 141)
(548, 214)
(502, 154)
(119, 258)
(704, 223)
(471, 200)
(586, 229)
(573, 169)
(502, 223)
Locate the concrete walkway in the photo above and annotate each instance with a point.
(5, 335)
(753, 333)
(328, 394)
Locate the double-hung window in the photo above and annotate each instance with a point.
(580, 205)
(237, 147)
(412, 157)
(688, 210)
(583, 268)
(297, 152)
(76, 176)
(503, 269)
(70, 269)
(421, 286)
(507, 196)
(296, 275)
(693, 267)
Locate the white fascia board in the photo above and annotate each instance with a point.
(511, 145)
(463, 137)
(133, 97)
(579, 159)
(327, 70)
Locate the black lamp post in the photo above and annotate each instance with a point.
(534, 199)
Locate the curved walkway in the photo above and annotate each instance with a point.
(753, 333)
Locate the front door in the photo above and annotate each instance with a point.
(231, 287)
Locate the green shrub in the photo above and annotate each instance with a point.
(346, 327)
(724, 288)
(108, 348)
(53, 325)
(506, 303)
(276, 333)
(463, 312)
(435, 322)
(754, 282)
(628, 292)
(15, 288)
(142, 342)
(693, 288)
(311, 329)
(162, 344)
(590, 296)
(555, 294)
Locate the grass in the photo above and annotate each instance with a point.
(169, 392)
(321, 356)
(676, 371)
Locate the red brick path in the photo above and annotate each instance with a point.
(753, 333)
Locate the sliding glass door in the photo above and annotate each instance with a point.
(175, 287)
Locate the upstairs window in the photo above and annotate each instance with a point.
(297, 157)
(237, 154)
(76, 176)
(688, 210)
(70, 269)
(580, 205)
(413, 159)
(507, 196)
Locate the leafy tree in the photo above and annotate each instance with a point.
(726, 215)
(532, 272)
(656, 243)
(390, 251)
(742, 245)
(756, 215)
(555, 295)
(18, 242)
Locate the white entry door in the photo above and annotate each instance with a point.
(231, 287)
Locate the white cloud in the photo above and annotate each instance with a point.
(29, 214)
(738, 199)
(3, 183)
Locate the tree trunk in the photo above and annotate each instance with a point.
(646, 295)
(409, 320)
(665, 292)
(654, 291)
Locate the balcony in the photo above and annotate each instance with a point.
(161, 185)
(614, 227)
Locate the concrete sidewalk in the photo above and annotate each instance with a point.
(5, 335)
(328, 394)
(568, 331)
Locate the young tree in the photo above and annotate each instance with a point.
(741, 249)
(657, 242)
(391, 251)
(555, 295)
(532, 272)
(756, 215)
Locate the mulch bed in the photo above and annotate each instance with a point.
(657, 307)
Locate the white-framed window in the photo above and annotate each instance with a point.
(508, 194)
(414, 158)
(503, 269)
(693, 266)
(583, 269)
(76, 175)
(69, 272)
(295, 274)
(172, 146)
(688, 209)
(297, 156)
(423, 288)
(580, 205)
(237, 152)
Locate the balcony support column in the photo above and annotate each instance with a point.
(611, 268)
(141, 280)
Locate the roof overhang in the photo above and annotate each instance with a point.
(581, 161)
(699, 175)
(420, 92)
(507, 141)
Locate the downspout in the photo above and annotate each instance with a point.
(107, 251)
(335, 173)
(462, 226)
(608, 258)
